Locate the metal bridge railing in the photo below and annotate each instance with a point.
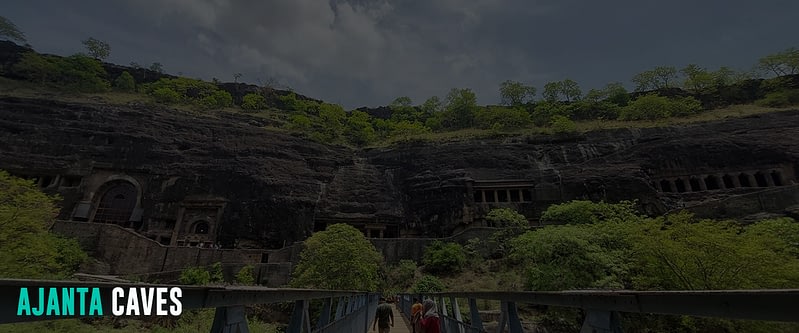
(355, 311)
(602, 308)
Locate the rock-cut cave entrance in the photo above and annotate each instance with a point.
(117, 204)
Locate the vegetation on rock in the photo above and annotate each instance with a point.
(339, 258)
(27, 247)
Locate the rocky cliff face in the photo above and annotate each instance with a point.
(272, 182)
(278, 188)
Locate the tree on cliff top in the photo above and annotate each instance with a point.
(97, 49)
(338, 258)
(8, 30)
(27, 248)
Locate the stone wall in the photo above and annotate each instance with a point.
(773, 200)
(273, 275)
(394, 250)
(128, 252)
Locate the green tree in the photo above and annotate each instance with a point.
(125, 82)
(81, 73)
(658, 78)
(507, 218)
(567, 90)
(513, 93)
(405, 129)
(332, 118)
(338, 258)
(430, 107)
(215, 100)
(8, 30)
(359, 130)
(402, 109)
(300, 122)
(156, 67)
(253, 101)
(443, 258)
(781, 63)
(428, 284)
(652, 106)
(698, 80)
(97, 49)
(511, 222)
(679, 252)
(561, 124)
(27, 248)
(544, 111)
(35, 67)
(588, 212)
(402, 275)
(501, 117)
(461, 106)
(166, 95)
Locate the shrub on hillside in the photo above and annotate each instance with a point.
(544, 111)
(502, 118)
(78, 72)
(652, 106)
(779, 99)
(166, 95)
(444, 258)
(428, 284)
(125, 82)
(561, 124)
(82, 73)
(253, 102)
(217, 99)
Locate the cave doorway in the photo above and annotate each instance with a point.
(117, 204)
(760, 179)
(744, 180)
(777, 178)
(712, 183)
(728, 181)
(665, 186)
(694, 185)
(680, 185)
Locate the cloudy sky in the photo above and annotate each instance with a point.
(366, 53)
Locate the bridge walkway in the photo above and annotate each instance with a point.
(401, 324)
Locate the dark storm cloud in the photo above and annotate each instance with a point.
(359, 52)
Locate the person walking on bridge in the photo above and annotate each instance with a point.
(383, 317)
(430, 323)
(416, 315)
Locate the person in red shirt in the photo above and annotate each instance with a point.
(430, 322)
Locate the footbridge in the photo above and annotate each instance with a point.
(354, 311)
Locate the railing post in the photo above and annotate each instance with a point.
(601, 321)
(514, 322)
(340, 307)
(474, 312)
(456, 311)
(503, 317)
(299, 319)
(351, 304)
(324, 317)
(230, 319)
